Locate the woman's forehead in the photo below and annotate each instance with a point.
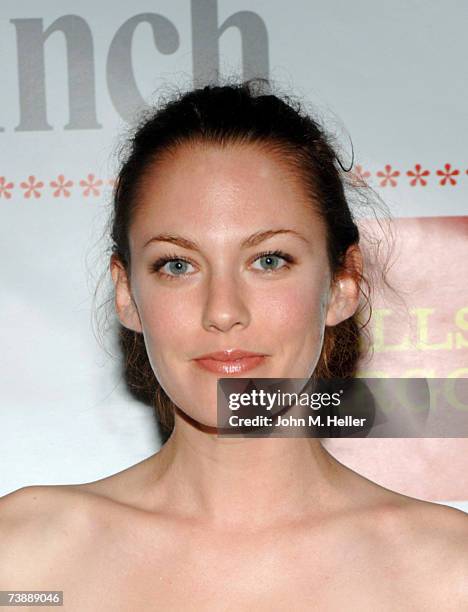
(223, 186)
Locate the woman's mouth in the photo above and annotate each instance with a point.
(231, 366)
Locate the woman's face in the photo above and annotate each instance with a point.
(198, 209)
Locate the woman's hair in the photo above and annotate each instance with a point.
(241, 113)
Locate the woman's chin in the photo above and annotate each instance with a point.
(206, 422)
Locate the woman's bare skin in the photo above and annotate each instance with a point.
(106, 548)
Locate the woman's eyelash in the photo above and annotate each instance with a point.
(276, 253)
(162, 261)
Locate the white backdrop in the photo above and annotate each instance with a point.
(390, 76)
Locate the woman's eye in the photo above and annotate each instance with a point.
(177, 266)
(171, 267)
(272, 261)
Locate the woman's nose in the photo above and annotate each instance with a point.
(224, 304)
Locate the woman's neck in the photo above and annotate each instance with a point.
(242, 482)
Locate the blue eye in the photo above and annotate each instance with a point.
(177, 266)
(271, 258)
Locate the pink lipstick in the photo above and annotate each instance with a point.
(230, 361)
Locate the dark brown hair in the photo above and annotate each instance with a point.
(245, 112)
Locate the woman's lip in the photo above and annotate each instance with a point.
(233, 366)
(229, 355)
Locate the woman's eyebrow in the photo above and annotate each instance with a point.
(251, 241)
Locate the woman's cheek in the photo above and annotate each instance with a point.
(169, 323)
(294, 309)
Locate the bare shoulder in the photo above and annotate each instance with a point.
(431, 524)
(37, 524)
(429, 544)
(445, 549)
(438, 527)
(37, 504)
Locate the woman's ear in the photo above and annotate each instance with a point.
(124, 305)
(344, 292)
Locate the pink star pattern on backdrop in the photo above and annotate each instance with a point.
(60, 186)
(359, 176)
(91, 186)
(388, 176)
(448, 175)
(5, 188)
(417, 175)
(32, 187)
